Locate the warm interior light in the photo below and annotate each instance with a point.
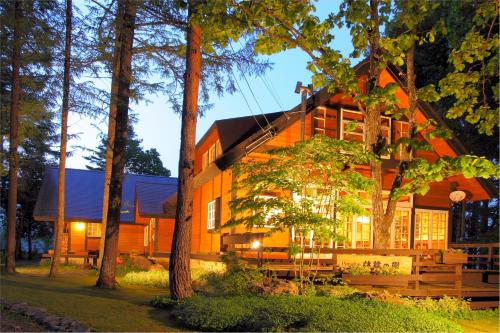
(457, 196)
(255, 244)
(80, 226)
(363, 219)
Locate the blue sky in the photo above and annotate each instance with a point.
(159, 127)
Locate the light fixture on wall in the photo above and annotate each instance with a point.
(80, 226)
(255, 244)
(456, 195)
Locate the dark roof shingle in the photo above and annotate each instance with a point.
(83, 194)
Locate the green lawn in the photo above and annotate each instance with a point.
(72, 295)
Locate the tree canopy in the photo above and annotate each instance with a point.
(137, 159)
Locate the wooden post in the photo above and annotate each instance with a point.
(417, 271)
(458, 279)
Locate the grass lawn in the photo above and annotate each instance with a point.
(72, 295)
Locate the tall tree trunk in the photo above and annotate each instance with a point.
(59, 225)
(108, 267)
(407, 157)
(10, 261)
(374, 139)
(179, 268)
(111, 128)
(30, 241)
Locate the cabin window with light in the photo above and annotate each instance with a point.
(93, 230)
(212, 153)
(430, 229)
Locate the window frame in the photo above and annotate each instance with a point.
(431, 227)
(93, 230)
(211, 214)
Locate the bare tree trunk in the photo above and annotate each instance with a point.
(108, 268)
(179, 267)
(30, 241)
(408, 155)
(59, 225)
(10, 261)
(111, 128)
(374, 140)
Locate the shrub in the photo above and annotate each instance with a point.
(232, 283)
(450, 307)
(157, 279)
(305, 313)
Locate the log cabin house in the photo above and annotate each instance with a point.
(421, 222)
(148, 202)
(147, 211)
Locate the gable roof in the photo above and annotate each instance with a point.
(151, 196)
(233, 130)
(280, 123)
(84, 190)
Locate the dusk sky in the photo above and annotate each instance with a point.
(159, 127)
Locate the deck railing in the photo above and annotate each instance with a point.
(482, 256)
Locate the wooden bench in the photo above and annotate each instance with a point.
(86, 256)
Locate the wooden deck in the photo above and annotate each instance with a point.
(476, 279)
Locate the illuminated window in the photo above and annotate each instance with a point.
(93, 230)
(401, 227)
(430, 229)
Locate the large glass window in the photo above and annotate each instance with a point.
(430, 229)
(401, 229)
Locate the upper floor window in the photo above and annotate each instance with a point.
(211, 154)
(352, 126)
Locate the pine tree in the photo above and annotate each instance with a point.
(59, 225)
(10, 265)
(108, 267)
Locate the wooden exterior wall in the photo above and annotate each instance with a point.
(130, 238)
(218, 184)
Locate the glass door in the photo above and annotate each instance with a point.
(430, 229)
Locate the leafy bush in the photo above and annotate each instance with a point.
(127, 266)
(450, 307)
(157, 279)
(243, 281)
(305, 313)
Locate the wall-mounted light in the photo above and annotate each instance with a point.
(255, 244)
(80, 226)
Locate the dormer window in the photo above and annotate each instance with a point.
(212, 153)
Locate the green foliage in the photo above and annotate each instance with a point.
(474, 81)
(156, 278)
(233, 282)
(299, 187)
(292, 313)
(137, 159)
(127, 266)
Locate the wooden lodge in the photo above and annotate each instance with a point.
(422, 224)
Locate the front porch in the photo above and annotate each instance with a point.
(473, 275)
